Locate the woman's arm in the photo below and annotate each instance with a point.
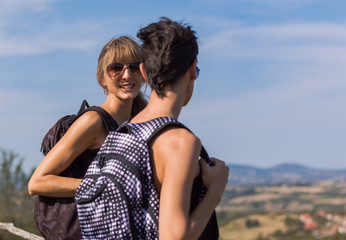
(87, 132)
(175, 154)
(215, 178)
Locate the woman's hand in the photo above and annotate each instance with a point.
(214, 177)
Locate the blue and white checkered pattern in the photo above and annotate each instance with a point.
(117, 198)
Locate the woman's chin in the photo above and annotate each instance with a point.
(128, 96)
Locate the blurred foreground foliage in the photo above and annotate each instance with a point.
(16, 205)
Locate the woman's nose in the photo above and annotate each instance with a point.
(127, 73)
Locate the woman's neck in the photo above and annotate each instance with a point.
(119, 110)
(168, 106)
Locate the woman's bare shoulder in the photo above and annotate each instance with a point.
(178, 143)
(89, 129)
(89, 120)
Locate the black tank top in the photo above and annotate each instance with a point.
(211, 231)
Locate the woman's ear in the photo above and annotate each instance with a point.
(144, 73)
(192, 70)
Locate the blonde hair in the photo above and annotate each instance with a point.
(121, 49)
(125, 50)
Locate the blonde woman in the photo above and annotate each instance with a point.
(59, 174)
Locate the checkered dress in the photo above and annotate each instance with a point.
(117, 198)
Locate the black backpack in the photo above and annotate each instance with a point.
(56, 218)
(117, 198)
(58, 130)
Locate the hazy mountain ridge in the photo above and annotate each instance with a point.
(286, 173)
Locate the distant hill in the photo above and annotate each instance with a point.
(282, 174)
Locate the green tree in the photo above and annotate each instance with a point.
(16, 205)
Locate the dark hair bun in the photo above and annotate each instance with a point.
(169, 50)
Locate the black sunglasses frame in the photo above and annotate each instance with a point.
(114, 69)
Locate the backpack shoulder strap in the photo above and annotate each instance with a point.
(83, 106)
(147, 131)
(204, 154)
(107, 119)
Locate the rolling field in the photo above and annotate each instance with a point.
(236, 230)
(272, 205)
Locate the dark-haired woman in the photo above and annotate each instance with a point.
(170, 66)
(61, 171)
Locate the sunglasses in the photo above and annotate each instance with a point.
(197, 71)
(115, 69)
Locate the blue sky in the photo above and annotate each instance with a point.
(272, 86)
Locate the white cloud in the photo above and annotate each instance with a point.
(20, 35)
(14, 6)
(299, 41)
(263, 8)
(78, 36)
(296, 121)
(281, 1)
(272, 2)
(299, 117)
